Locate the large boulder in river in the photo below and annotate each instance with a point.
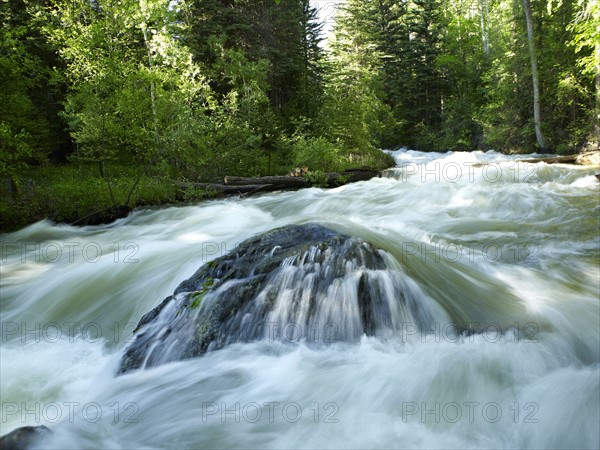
(24, 438)
(300, 282)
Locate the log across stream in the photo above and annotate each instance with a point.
(414, 310)
(251, 185)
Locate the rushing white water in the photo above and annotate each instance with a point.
(510, 246)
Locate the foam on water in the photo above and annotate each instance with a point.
(518, 253)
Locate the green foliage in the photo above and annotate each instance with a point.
(354, 115)
(461, 63)
(135, 95)
(567, 89)
(316, 154)
(154, 91)
(317, 178)
(585, 40)
(14, 152)
(585, 35)
(70, 192)
(196, 194)
(243, 126)
(456, 74)
(263, 62)
(29, 127)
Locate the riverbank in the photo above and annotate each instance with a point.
(68, 194)
(78, 195)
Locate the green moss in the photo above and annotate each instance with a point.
(198, 296)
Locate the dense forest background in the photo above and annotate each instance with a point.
(105, 102)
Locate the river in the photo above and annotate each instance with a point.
(512, 249)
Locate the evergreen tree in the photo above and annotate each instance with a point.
(355, 115)
(30, 129)
(284, 34)
(462, 64)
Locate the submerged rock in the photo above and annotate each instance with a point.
(23, 438)
(297, 282)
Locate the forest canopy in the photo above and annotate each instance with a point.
(199, 89)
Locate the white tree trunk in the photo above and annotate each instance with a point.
(483, 18)
(537, 120)
(597, 63)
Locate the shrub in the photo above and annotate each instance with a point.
(316, 154)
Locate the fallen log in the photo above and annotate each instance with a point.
(567, 159)
(273, 181)
(222, 188)
(247, 186)
(331, 178)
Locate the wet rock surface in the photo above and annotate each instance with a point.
(296, 282)
(24, 438)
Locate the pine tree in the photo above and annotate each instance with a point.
(30, 127)
(285, 34)
(355, 114)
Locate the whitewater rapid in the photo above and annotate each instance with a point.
(512, 248)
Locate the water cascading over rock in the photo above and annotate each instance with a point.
(300, 282)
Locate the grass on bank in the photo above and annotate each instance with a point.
(67, 193)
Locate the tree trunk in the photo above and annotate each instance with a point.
(157, 135)
(537, 120)
(483, 18)
(103, 165)
(597, 112)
